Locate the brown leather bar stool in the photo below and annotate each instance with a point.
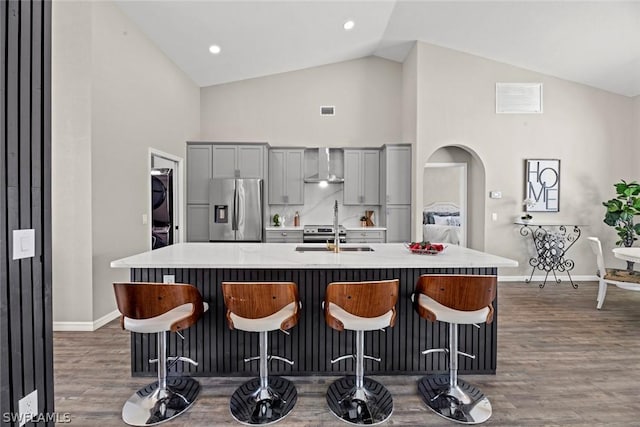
(156, 308)
(360, 307)
(457, 300)
(262, 307)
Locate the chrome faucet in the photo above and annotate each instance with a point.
(336, 229)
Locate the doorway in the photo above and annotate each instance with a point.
(166, 181)
(445, 203)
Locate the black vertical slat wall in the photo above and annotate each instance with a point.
(26, 337)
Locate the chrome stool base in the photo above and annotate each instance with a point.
(151, 405)
(372, 404)
(464, 404)
(250, 405)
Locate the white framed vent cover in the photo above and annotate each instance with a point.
(518, 98)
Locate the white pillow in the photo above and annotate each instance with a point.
(454, 220)
(441, 220)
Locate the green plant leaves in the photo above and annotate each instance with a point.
(621, 211)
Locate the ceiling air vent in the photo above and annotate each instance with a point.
(518, 98)
(327, 110)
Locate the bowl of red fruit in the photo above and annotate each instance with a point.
(425, 248)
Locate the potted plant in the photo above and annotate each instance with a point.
(622, 209)
(528, 204)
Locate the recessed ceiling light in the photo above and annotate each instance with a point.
(215, 49)
(349, 25)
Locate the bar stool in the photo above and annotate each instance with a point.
(360, 307)
(262, 307)
(457, 300)
(158, 308)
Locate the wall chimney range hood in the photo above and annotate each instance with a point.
(326, 169)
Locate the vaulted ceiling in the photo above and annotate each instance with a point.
(594, 43)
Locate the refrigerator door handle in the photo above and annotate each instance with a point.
(234, 219)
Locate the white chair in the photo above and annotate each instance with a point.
(621, 278)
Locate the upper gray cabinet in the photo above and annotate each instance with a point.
(396, 175)
(237, 161)
(198, 173)
(361, 177)
(286, 173)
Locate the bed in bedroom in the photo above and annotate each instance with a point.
(442, 222)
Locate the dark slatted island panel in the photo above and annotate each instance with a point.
(312, 344)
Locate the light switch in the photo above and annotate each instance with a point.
(24, 243)
(494, 216)
(168, 278)
(145, 219)
(495, 194)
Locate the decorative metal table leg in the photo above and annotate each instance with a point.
(264, 400)
(359, 400)
(452, 398)
(163, 400)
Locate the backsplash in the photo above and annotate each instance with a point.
(318, 208)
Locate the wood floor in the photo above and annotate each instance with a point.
(561, 362)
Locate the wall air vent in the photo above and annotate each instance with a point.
(518, 98)
(327, 110)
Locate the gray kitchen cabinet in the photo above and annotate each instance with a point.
(395, 178)
(283, 236)
(366, 236)
(198, 173)
(361, 177)
(198, 223)
(216, 160)
(237, 161)
(398, 223)
(395, 191)
(286, 174)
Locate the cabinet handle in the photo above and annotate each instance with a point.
(284, 233)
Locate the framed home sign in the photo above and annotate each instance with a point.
(542, 185)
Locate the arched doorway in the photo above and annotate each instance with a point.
(464, 168)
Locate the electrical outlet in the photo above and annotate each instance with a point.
(28, 407)
(168, 278)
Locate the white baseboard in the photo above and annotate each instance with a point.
(86, 326)
(563, 277)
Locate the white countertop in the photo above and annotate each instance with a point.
(284, 255)
(272, 228)
(366, 228)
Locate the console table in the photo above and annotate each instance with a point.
(552, 241)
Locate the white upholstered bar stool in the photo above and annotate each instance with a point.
(360, 307)
(262, 307)
(456, 300)
(623, 279)
(156, 308)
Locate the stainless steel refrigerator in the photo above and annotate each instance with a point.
(235, 210)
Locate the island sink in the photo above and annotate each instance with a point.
(327, 249)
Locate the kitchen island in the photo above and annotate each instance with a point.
(311, 344)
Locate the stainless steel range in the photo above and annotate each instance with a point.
(322, 234)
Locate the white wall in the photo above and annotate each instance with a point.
(590, 130)
(636, 136)
(71, 161)
(284, 109)
(137, 98)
